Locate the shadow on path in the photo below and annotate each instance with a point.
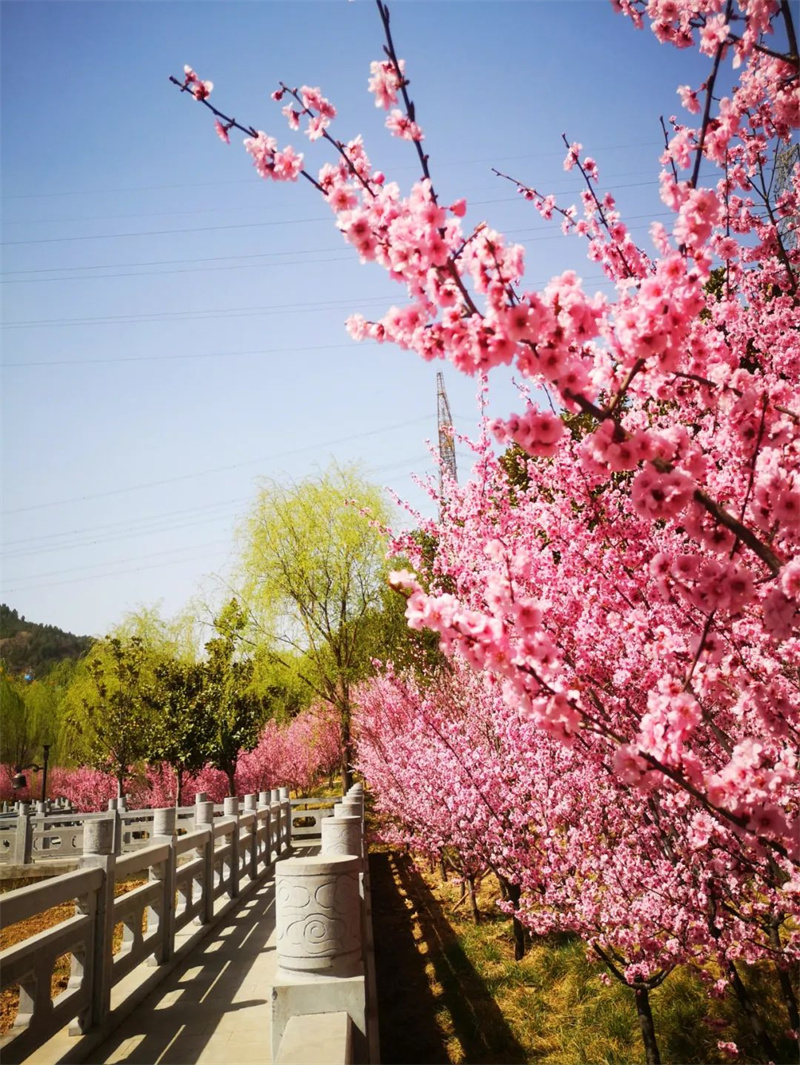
(410, 1032)
(218, 996)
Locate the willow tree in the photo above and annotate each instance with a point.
(312, 577)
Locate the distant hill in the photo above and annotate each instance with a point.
(27, 647)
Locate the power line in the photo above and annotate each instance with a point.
(186, 355)
(87, 541)
(256, 225)
(218, 469)
(244, 181)
(147, 527)
(227, 210)
(170, 262)
(192, 313)
(46, 577)
(100, 576)
(118, 561)
(201, 315)
(244, 266)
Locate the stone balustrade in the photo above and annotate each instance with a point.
(325, 950)
(223, 851)
(55, 831)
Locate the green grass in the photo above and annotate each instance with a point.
(551, 1008)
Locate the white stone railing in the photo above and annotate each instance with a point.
(225, 852)
(308, 815)
(27, 837)
(324, 946)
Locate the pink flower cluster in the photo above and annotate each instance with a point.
(271, 163)
(201, 90)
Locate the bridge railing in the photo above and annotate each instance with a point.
(179, 878)
(28, 837)
(325, 988)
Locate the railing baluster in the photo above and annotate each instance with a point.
(164, 824)
(204, 817)
(98, 852)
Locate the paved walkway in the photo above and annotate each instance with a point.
(215, 1008)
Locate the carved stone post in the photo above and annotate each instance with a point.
(317, 915)
(275, 822)
(204, 818)
(251, 805)
(230, 809)
(23, 840)
(164, 828)
(342, 835)
(98, 852)
(266, 823)
(113, 808)
(286, 817)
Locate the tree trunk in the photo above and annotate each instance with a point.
(178, 785)
(513, 893)
(120, 783)
(652, 1056)
(347, 743)
(476, 913)
(787, 990)
(748, 1009)
(230, 773)
(443, 869)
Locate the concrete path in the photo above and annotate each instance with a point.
(215, 1008)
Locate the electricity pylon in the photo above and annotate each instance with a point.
(447, 445)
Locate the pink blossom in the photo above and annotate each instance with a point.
(385, 83)
(292, 116)
(572, 155)
(661, 495)
(689, 99)
(201, 90)
(400, 125)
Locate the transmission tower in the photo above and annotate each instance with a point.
(447, 445)
(785, 164)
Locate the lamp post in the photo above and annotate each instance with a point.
(19, 780)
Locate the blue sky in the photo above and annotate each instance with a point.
(197, 312)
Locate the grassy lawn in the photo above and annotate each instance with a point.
(450, 990)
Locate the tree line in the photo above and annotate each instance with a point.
(309, 612)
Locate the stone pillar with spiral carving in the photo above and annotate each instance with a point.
(342, 835)
(317, 915)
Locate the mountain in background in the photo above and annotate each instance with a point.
(29, 648)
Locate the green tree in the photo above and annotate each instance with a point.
(313, 571)
(182, 728)
(234, 708)
(108, 706)
(29, 718)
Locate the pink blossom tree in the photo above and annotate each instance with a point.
(636, 597)
(680, 500)
(454, 769)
